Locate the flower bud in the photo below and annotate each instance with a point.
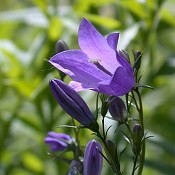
(117, 109)
(93, 160)
(61, 46)
(73, 104)
(75, 168)
(137, 58)
(58, 142)
(137, 138)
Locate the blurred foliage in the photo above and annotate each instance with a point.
(28, 34)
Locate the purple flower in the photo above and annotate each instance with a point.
(57, 142)
(93, 160)
(73, 104)
(97, 66)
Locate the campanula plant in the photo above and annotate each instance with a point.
(100, 67)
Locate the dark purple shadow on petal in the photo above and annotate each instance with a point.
(121, 83)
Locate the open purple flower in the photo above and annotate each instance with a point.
(97, 66)
(57, 142)
(93, 160)
(73, 104)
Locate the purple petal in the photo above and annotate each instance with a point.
(55, 144)
(121, 83)
(59, 136)
(76, 64)
(96, 46)
(112, 40)
(80, 87)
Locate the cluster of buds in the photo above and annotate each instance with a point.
(92, 162)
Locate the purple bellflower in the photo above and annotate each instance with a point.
(58, 142)
(73, 104)
(98, 65)
(93, 160)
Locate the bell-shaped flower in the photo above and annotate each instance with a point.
(73, 104)
(98, 65)
(58, 141)
(93, 160)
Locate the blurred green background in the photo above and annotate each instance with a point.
(29, 30)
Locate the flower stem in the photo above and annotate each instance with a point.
(113, 163)
(134, 166)
(142, 156)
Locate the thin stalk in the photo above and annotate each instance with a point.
(128, 128)
(114, 165)
(103, 127)
(135, 164)
(77, 152)
(142, 156)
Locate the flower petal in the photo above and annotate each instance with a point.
(121, 83)
(96, 46)
(112, 40)
(59, 136)
(76, 64)
(80, 87)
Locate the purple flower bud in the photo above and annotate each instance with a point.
(93, 160)
(137, 138)
(61, 46)
(58, 142)
(73, 104)
(76, 167)
(117, 109)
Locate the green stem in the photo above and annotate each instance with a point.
(103, 127)
(134, 166)
(114, 165)
(77, 152)
(128, 128)
(142, 156)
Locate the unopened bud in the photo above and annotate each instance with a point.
(137, 138)
(137, 58)
(117, 109)
(76, 167)
(104, 108)
(93, 160)
(61, 46)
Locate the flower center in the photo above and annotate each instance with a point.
(97, 63)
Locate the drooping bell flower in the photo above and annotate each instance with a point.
(98, 65)
(73, 104)
(93, 160)
(58, 141)
(117, 109)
